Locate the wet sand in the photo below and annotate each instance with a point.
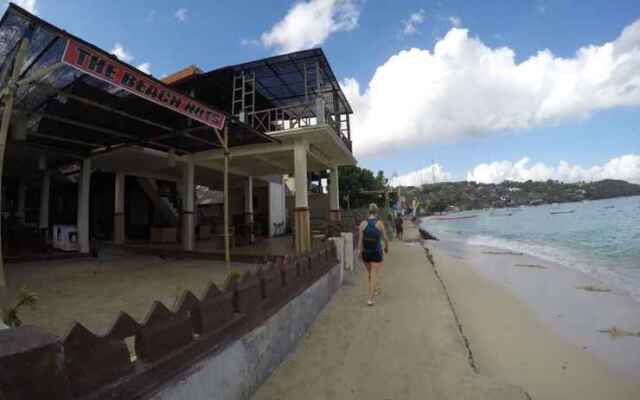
(536, 328)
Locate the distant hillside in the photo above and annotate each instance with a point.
(472, 195)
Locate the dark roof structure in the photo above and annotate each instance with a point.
(72, 113)
(280, 81)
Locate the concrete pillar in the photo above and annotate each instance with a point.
(22, 199)
(302, 216)
(44, 202)
(334, 196)
(248, 206)
(119, 235)
(188, 206)
(348, 250)
(84, 186)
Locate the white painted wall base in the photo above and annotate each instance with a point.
(236, 372)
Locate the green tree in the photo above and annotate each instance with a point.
(354, 181)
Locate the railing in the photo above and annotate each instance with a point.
(300, 115)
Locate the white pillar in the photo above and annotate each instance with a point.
(44, 201)
(22, 199)
(248, 206)
(300, 173)
(302, 216)
(84, 185)
(188, 206)
(119, 235)
(334, 195)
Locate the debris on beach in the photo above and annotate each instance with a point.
(530, 266)
(426, 235)
(618, 332)
(429, 257)
(503, 253)
(590, 288)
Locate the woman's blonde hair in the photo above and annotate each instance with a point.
(373, 209)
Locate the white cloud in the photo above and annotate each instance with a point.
(310, 23)
(120, 52)
(29, 5)
(465, 88)
(456, 22)
(626, 167)
(182, 14)
(411, 25)
(145, 67)
(430, 174)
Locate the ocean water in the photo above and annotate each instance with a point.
(600, 238)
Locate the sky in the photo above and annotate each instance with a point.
(444, 90)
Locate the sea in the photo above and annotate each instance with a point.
(599, 238)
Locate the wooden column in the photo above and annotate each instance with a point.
(84, 186)
(227, 154)
(8, 99)
(119, 235)
(188, 206)
(248, 206)
(22, 200)
(301, 214)
(45, 191)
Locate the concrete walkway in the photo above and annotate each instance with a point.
(407, 346)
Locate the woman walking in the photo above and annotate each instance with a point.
(371, 234)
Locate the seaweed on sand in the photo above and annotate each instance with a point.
(503, 253)
(530, 266)
(619, 332)
(590, 288)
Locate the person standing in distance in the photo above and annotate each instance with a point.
(371, 235)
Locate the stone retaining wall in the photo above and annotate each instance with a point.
(170, 342)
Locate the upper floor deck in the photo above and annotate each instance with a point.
(281, 93)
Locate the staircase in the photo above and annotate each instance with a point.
(162, 204)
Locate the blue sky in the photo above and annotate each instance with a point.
(588, 131)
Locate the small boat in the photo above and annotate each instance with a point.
(611, 206)
(562, 211)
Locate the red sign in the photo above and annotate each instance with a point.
(108, 69)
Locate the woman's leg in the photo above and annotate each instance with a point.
(373, 280)
(369, 268)
(378, 268)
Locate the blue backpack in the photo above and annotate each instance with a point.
(371, 238)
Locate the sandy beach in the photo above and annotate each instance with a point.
(408, 346)
(514, 339)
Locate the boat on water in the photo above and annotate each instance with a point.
(555, 212)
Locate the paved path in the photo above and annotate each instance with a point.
(405, 347)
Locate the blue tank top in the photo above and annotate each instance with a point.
(372, 238)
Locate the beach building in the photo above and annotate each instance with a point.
(97, 151)
(159, 189)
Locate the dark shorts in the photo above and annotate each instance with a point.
(372, 257)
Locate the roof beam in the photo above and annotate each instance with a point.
(66, 140)
(247, 150)
(285, 169)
